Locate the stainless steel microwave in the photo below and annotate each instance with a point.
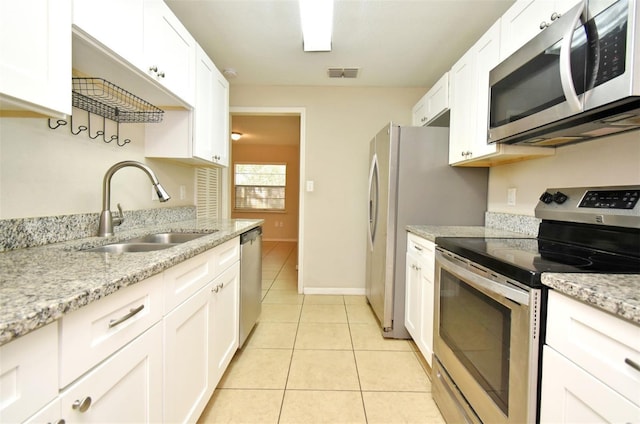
(576, 80)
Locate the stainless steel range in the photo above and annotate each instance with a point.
(491, 306)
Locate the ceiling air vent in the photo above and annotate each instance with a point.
(343, 72)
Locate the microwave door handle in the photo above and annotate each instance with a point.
(566, 78)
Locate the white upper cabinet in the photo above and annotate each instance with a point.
(220, 119)
(143, 35)
(35, 56)
(526, 18)
(433, 104)
(96, 18)
(463, 98)
(169, 50)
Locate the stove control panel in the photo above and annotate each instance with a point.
(617, 206)
(610, 199)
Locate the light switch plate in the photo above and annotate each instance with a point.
(310, 185)
(511, 196)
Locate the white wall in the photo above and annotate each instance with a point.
(46, 172)
(340, 121)
(611, 160)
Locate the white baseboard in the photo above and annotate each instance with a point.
(335, 291)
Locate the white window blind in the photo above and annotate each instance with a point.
(260, 186)
(207, 193)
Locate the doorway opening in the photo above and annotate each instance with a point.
(266, 173)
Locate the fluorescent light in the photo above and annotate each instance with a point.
(235, 136)
(317, 24)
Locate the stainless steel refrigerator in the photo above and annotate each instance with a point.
(411, 182)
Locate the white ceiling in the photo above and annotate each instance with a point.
(396, 43)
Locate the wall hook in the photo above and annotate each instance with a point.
(80, 128)
(113, 137)
(98, 133)
(59, 123)
(118, 140)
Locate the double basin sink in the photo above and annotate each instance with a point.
(149, 242)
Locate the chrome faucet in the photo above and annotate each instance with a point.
(107, 220)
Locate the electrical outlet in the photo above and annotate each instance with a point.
(511, 196)
(183, 192)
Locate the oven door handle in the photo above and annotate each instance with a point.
(477, 281)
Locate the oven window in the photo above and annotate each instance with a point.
(477, 329)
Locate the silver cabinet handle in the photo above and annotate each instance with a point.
(554, 16)
(633, 364)
(153, 68)
(217, 288)
(122, 319)
(161, 74)
(82, 405)
(543, 25)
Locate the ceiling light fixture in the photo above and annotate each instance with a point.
(316, 17)
(235, 136)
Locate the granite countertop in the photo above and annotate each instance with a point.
(430, 232)
(39, 285)
(618, 294)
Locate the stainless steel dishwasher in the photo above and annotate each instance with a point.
(250, 281)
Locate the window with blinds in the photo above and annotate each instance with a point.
(207, 193)
(260, 186)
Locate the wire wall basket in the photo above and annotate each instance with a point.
(103, 98)
(100, 97)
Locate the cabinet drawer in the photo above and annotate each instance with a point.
(571, 395)
(598, 342)
(90, 334)
(28, 373)
(424, 251)
(186, 278)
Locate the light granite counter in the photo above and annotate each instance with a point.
(430, 232)
(615, 293)
(39, 285)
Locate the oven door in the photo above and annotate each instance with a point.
(486, 339)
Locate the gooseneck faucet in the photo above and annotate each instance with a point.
(107, 221)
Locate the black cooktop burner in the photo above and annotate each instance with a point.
(525, 259)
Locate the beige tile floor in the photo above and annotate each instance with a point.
(319, 359)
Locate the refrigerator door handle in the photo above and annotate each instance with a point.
(373, 200)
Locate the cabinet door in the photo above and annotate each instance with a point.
(28, 373)
(438, 98)
(413, 299)
(96, 18)
(523, 21)
(487, 57)
(419, 112)
(169, 50)
(35, 56)
(186, 358)
(225, 322)
(126, 387)
(220, 119)
(463, 107)
(203, 141)
(571, 395)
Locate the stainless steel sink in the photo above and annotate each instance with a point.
(149, 242)
(130, 247)
(167, 238)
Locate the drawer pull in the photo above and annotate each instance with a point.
(82, 405)
(217, 288)
(633, 364)
(122, 319)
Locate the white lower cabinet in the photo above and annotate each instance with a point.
(225, 322)
(589, 366)
(186, 357)
(419, 293)
(149, 353)
(28, 374)
(127, 387)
